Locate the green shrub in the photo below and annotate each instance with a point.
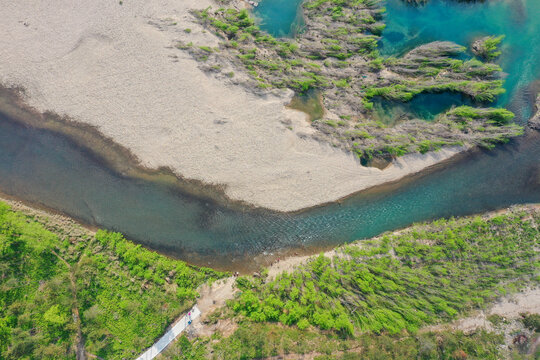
(124, 292)
(429, 273)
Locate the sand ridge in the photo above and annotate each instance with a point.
(114, 66)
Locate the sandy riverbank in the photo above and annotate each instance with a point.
(113, 66)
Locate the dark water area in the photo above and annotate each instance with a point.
(422, 106)
(45, 168)
(310, 103)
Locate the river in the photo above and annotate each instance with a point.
(46, 168)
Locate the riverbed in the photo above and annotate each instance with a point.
(47, 168)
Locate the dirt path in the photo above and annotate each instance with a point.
(212, 298)
(509, 307)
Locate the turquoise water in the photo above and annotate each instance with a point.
(422, 106)
(460, 22)
(281, 18)
(46, 168)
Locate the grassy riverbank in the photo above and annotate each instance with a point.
(63, 288)
(372, 299)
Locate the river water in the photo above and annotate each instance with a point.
(46, 168)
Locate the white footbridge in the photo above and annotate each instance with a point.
(170, 335)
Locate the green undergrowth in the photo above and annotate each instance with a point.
(258, 341)
(428, 274)
(126, 295)
(494, 116)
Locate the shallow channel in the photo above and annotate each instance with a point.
(47, 168)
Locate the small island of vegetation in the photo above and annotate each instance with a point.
(337, 55)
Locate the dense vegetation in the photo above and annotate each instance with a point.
(258, 341)
(371, 299)
(427, 274)
(337, 56)
(62, 288)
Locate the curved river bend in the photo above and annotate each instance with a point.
(46, 168)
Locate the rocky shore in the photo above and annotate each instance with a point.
(534, 121)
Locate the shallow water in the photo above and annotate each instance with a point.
(422, 106)
(309, 103)
(462, 23)
(281, 18)
(46, 168)
(43, 167)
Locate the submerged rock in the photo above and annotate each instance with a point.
(434, 50)
(477, 46)
(534, 121)
(487, 47)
